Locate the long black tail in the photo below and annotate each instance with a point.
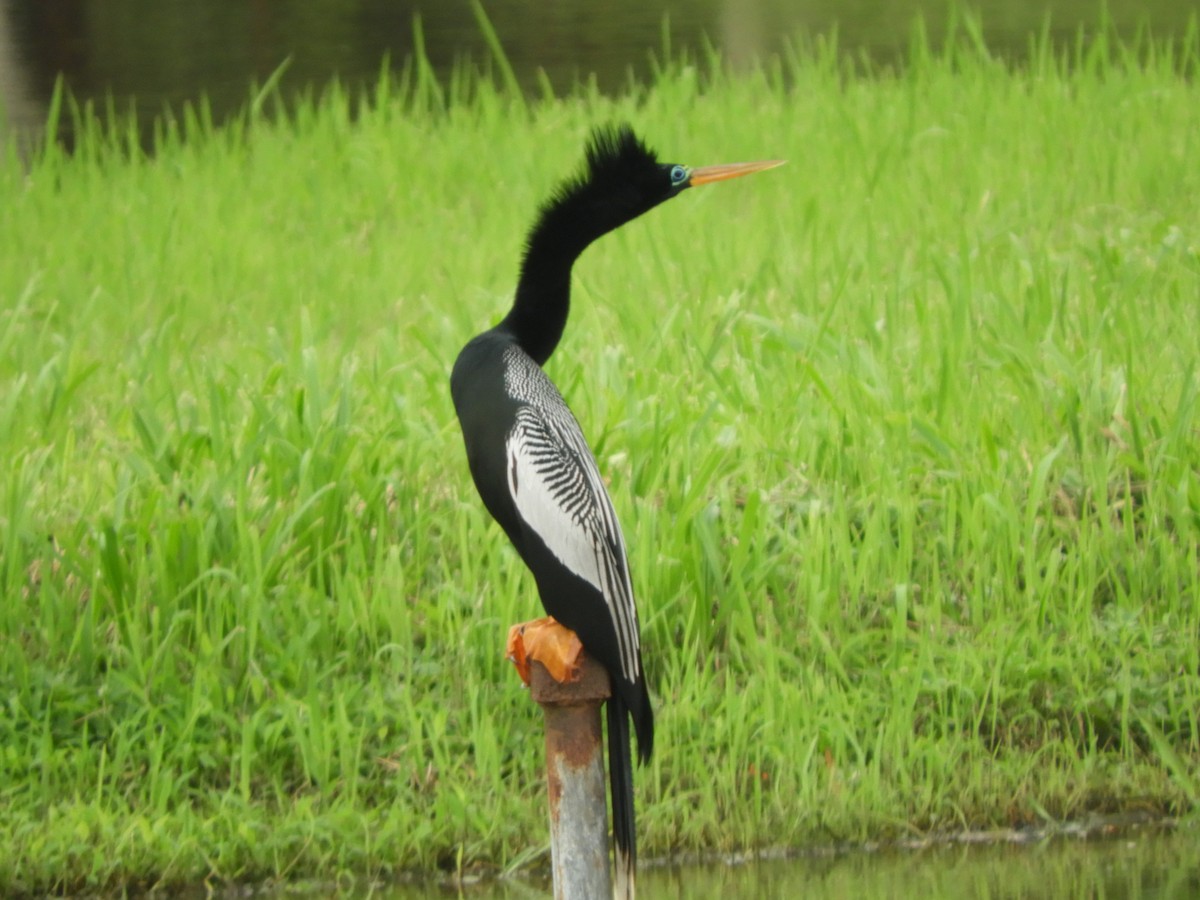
(620, 775)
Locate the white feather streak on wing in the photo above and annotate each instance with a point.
(556, 486)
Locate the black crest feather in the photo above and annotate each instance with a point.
(615, 150)
(621, 179)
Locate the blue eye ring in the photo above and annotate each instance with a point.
(679, 174)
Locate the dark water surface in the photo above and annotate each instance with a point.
(148, 56)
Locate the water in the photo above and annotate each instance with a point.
(1137, 864)
(151, 56)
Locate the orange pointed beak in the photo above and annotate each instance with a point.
(711, 174)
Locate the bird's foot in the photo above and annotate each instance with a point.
(553, 645)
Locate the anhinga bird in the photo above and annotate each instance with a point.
(528, 456)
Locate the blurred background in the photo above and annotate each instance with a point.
(151, 55)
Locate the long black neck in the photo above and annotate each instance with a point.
(582, 212)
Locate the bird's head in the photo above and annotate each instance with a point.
(622, 179)
(621, 168)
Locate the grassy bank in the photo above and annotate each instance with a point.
(903, 437)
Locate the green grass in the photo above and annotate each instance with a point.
(904, 438)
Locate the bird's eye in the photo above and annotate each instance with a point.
(678, 175)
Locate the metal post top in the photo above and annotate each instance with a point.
(590, 684)
(551, 660)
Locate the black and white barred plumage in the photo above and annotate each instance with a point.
(557, 489)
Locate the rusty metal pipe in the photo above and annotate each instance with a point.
(575, 780)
